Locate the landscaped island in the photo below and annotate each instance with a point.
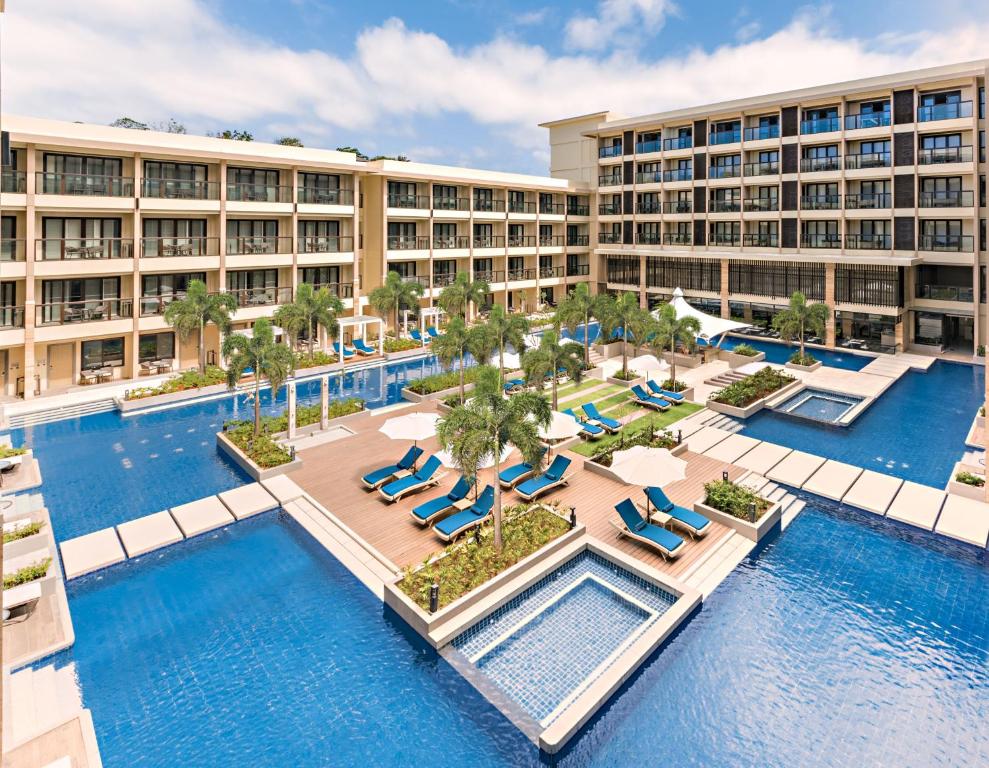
(759, 385)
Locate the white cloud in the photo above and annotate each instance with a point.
(747, 31)
(531, 18)
(617, 18)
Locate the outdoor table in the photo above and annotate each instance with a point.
(463, 504)
(660, 518)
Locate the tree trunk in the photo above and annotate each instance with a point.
(497, 499)
(461, 378)
(554, 390)
(202, 347)
(673, 363)
(257, 402)
(312, 340)
(587, 341)
(625, 352)
(801, 329)
(501, 361)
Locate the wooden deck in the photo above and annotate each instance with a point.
(331, 474)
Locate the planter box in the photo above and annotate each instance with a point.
(640, 380)
(26, 545)
(755, 407)
(737, 361)
(609, 350)
(125, 406)
(241, 459)
(804, 368)
(683, 361)
(414, 397)
(963, 489)
(599, 469)
(407, 353)
(311, 429)
(752, 531)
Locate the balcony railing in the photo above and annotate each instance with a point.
(522, 274)
(578, 240)
(552, 209)
(868, 160)
(448, 242)
(871, 201)
(180, 189)
(945, 292)
(677, 238)
(609, 209)
(443, 280)
(326, 244)
(614, 150)
(521, 241)
(648, 177)
(83, 184)
(340, 290)
(679, 174)
(643, 147)
(678, 206)
(725, 171)
(263, 244)
(648, 238)
(947, 199)
(731, 239)
(818, 164)
(154, 306)
(951, 111)
(489, 241)
(610, 180)
(726, 137)
(821, 125)
(451, 203)
(262, 297)
(770, 168)
(13, 181)
(158, 247)
(940, 155)
(762, 132)
(259, 193)
(827, 240)
(316, 196)
(755, 204)
(651, 206)
(871, 120)
(760, 240)
(489, 206)
(578, 270)
(419, 202)
(609, 238)
(522, 206)
(578, 210)
(552, 241)
(820, 202)
(422, 280)
(949, 243)
(12, 250)
(548, 273)
(71, 249)
(490, 276)
(83, 311)
(11, 317)
(726, 206)
(873, 242)
(408, 242)
(678, 142)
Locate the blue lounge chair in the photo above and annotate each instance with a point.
(427, 475)
(668, 544)
(514, 385)
(675, 398)
(553, 477)
(515, 474)
(454, 525)
(374, 479)
(417, 337)
(590, 431)
(433, 333)
(690, 521)
(426, 512)
(347, 353)
(591, 412)
(363, 348)
(644, 398)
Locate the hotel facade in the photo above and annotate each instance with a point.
(869, 196)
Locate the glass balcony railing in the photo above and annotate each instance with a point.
(12, 181)
(408, 242)
(728, 239)
(869, 242)
(725, 137)
(451, 203)
(870, 201)
(257, 245)
(168, 247)
(947, 199)
(261, 297)
(610, 180)
(679, 142)
(643, 147)
(950, 111)
(677, 238)
(760, 240)
(154, 306)
(725, 171)
(678, 206)
(73, 249)
(947, 243)
(259, 193)
(484, 205)
(552, 209)
(444, 279)
(679, 174)
(939, 155)
(609, 209)
(521, 206)
(317, 196)
(757, 204)
(180, 189)
(521, 274)
(578, 270)
(820, 125)
(489, 241)
(648, 177)
(819, 164)
(869, 120)
(11, 317)
(726, 206)
(83, 184)
(578, 240)
(521, 241)
(767, 168)
(340, 290)
(825, 240)
(12, 249)
(548, 273)
(759, 132)
(450, 242)
(82, 311)
(820, 202)
(417, 202)
(610, 151)
(649, 206)
(551, 241)
(578, 210)
(609, 238)
(648, 238)
(868, 160)
(326, 244)
(490, 276)
(945, 292)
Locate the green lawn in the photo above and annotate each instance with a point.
(606, 392)
(569, 389)
(660, 421)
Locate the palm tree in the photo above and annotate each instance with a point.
(488, 422)
(800, 317)
(394, 294)
(461, 294)
(198, 309)
(481, 343)
(672, 333)
(452, 346)
(549, 357)
(577, 309)
(264, 355)
(310, 309)
(507, 329)
(623, 312)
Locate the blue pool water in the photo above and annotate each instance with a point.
(915, 430)
(103, 469)
(779, 353)
(818, 405)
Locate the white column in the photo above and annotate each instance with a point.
(291, 409)
(324, 401)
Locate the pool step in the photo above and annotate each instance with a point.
(39, 699)
(46, 415)
(791, 505)
(727, 423)
(724, 379)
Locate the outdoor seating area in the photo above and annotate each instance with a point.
(156, 367)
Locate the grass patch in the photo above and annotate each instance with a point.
(570, 388)
(27, 574)
(466, 567)
(660, 421)
(23, 532)
(594, 397)
(6, 451)
(429, 385)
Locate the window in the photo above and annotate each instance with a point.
(73, 238)
(103, 353)
(160, 170)
(320, 276)
(169, 285)
(776, 279)
(250, 228)
(695, 274)
(324, 182)
(260, 177)
(252, 279)
(941, 141)
(155, 346)
(623, 270)
(405, 269)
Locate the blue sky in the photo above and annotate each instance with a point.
(449, 81)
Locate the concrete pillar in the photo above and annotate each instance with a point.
(829, 334)
(324, 401)
(725, 307)
(30, 303)
(643, 298)
(132, 366)
(291, 408)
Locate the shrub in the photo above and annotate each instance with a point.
(6, 451)
(262, 450)
(673, 386)
(625, 375)
(732, 499)
(181, 383)
(805, 359)
(429, 385)
(23, 532)
(745, 349)
(752, 388)
(400, 345)
(318, 359)
(26, 574)
(969, 479)
(647, 436)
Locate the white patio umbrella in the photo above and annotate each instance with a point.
(412, 426)
(560, 427)
(648, 363)
(513, 361)
(642, 465)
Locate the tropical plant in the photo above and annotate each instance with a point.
(27, 574)
(233, 134)
(437, 382)
(800, 317)
(394, 294)
(198, 309)
(289, 141)
(310, 309)
(264, 356)
(454, 345)
(970, 479)
(675, 333)
(623, 313)
(549, 358)
(745, 349)
(507, 329)
(460, 295)
(733, 499)
(577, 309)
(751, 388)
(481, 343)
(488, 422)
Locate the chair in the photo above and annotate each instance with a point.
(674, 398)
(433, 333)
(668, 544)
(427, 475)
(347, 353)
(591, 412)
(590, 431)
(514, 385)
(426, 512)
(362, 348)
(416, 336)
(553, 477)
(693, 523)
(373, 479)
(449, 528)
(644, 398)
(515, 474)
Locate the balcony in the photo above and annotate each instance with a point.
(444, 279)
(643, 147)
(262, 297)
(820, 202)
(678, 206)
(450, 242)
(726, 206)
(648, 238)
(548, 273)
(168, 247)
(521, 241)
(11, 317)
(760, 240)
(421, 280)
(820, 125)
(578, 210)
(677, 238)
(680, 142)
(316, 196)
(950, 111)
(326, 244)
(551, 241)
(947, 243)
(451, 203)
(578, 270)
(945, 292)
(762, 132)
(71, 249)
(652, 206)
(730, 239)
(761, 204)
(83, 311)
(252, 246)
(868, 160)
(340, 290)
(725, 171)
(13, 181)
(489, 206)
(679, 174)
(609, 209)
(12, 250)
(873, 242)
(489, 241)
(180, 189)
(725, 137)
(552, 209)
(521, 274)
(154, 306)
(648, 177)
(408, 242)
(490, 276)
(827, 240)
(871, 120)
(770, 168)
(417, 202)
(612, 151)
(610, 180)
(609, 238)
(258, 193)
(819, 164)
(947, 199)
(578, 240)
(522, 206)
(940, 155)
(83, 184)
(870, 201)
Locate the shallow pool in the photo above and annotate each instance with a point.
(818, 405)
(780, 352)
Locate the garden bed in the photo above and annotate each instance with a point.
(439, 385)
(736, 360)
(969, 489)
(733, 501)
(185, 386)
(266, 458)
(743, 398)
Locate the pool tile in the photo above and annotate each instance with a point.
(833, 479)
(250, 499)
(917, 505)
(201, 516)
(763, 457)
(795, 469)
(88, 553)
(873, 492)
(964, 519)
(148, 533)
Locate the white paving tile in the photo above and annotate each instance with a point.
(247, 500)
(731, 448)
(764, 457)
(795, 468)
(917, 505)
(148, 533)
(706, 438)
(85, 554)
(833, 479)
(282, 488)
(964, 519)
(873, 492)
(201, 516)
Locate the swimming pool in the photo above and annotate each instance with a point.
(779, 353)
(818, 405)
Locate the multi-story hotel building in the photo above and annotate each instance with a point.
(868, 195)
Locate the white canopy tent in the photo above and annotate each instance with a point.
(710, 326)
(360, 322)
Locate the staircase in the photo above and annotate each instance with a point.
(770, 490)
(724, 379)
(595, 358)
(39, 699)
(727, 423)
(44, 416)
